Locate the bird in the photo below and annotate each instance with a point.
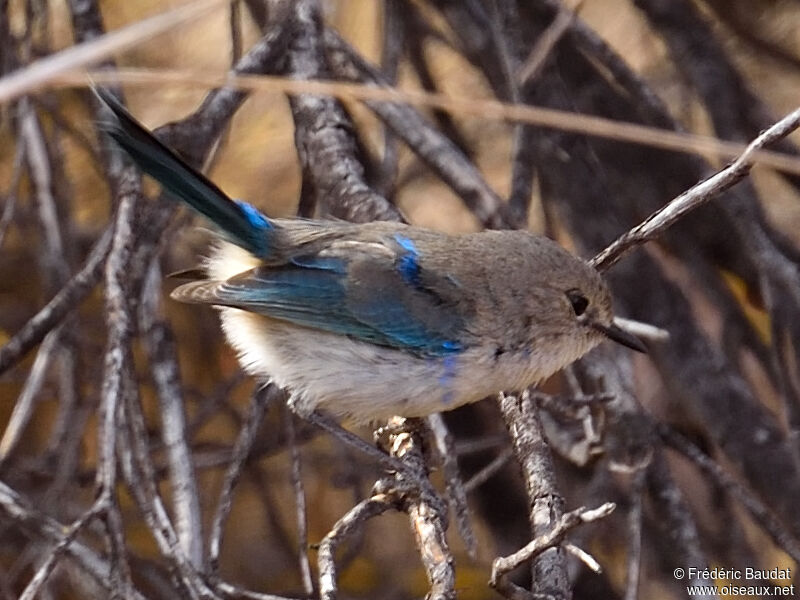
(372, 320)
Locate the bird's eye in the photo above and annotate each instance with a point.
(578, 301)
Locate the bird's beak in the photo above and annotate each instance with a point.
(616, 333)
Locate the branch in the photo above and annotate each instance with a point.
(67, 298)
(425, 509)
(344, 527)
(760, 512)
(551, 539)
(546, 503)
(45, 70)
(696, 196)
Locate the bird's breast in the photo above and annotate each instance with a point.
(348, 377)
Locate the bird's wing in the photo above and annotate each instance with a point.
(379, 298)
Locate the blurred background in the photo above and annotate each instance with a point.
(696, 442)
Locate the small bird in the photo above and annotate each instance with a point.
(380, 319)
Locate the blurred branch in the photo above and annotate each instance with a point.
(11, 196)
(634, 559)
(437, 151)
(70, 533)
(67, 298)
(42, 72)
(564, 19)
(478, 107)
(757, 509)
(326, 145)
(300, 505)
(91, 564)
(259, 403)
(675, 520)
(456, 490)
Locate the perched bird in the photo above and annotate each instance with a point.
(380, 319)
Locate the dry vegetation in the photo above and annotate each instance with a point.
(131, 441)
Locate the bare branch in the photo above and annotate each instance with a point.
(345, 527)
(300, 506)
(547, 541)
(546, 504)
(162, 353)
(698, 195)
(456, 490)
(261, 400)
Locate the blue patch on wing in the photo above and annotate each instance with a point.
(452, 346)
(312, 292)
(408, 261)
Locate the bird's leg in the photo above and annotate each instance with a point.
(411, 475)
(325, 422)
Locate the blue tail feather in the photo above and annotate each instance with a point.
(241, 222)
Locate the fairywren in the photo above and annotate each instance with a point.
(380, 319)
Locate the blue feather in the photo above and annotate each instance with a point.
(408, 262)
(242, 223)
(253, 215)
(312, 292)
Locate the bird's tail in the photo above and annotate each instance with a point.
(241, 222)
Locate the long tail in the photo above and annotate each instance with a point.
(241, 222)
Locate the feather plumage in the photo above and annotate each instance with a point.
(377, 319)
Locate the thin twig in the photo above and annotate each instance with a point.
(21, 512)
(385, 460)
(456, 490)
(262, 398)
(696, 196)
(551, 539)
(300, 505)
(487, 472)
(71, 532)
(344, 527)
(26, 401)
(67, 298)
(546, 42)
(583, 556)
(634, 565)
